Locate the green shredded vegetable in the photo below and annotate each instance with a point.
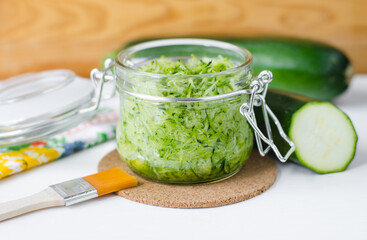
(185, 142)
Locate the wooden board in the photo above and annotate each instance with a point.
(255, 177)
(75, 34)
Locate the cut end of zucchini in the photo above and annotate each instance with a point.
(349, 73)
(324, 136)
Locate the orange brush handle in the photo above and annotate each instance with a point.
(111, 180)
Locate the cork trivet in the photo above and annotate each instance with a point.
(255, 177)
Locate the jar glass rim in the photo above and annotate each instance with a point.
(183, 41)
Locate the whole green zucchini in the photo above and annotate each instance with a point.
(324, 136)
(299, 66)
(304, 67)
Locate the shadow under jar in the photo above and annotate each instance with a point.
(183, 129)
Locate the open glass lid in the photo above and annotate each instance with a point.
(38, 105)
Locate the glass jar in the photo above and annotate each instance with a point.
(186, 129)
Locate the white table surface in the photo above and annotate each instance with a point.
(300, 205)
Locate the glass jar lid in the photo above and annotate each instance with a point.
(37, 105)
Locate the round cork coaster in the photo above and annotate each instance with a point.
(255, 177)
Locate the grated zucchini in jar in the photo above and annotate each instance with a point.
(185, 142)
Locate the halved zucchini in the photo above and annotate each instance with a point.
(324, 136)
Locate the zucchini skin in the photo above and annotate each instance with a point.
(300, 66)
(304, 67)
(285, 106)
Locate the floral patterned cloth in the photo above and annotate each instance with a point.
(96, 130)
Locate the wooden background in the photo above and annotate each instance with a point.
(75, 34)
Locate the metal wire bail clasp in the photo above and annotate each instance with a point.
(99, 78)
(259, 87)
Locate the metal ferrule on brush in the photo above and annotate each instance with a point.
(75, 191)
